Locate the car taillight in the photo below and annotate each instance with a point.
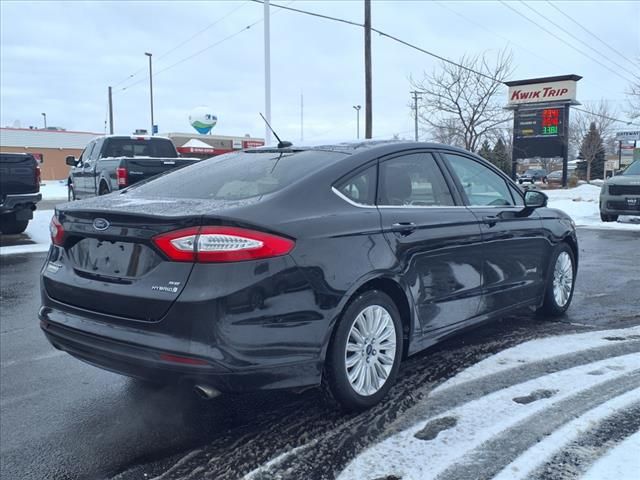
(221, 244)
(57, 231)
(122, 176)
(38, 176)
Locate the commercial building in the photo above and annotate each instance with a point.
(50, 146)
(53, 146)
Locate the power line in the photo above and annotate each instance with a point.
(199, 52)
(562, 40)
(626, 122)
(590, 33)
(479, 25)
(578, 39)
(387, 35)
(173, 49)
(415, 47)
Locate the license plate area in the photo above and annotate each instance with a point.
(112, 259)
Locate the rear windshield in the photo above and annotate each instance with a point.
(238, 176)
(132, 147)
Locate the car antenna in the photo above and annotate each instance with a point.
(281, 144)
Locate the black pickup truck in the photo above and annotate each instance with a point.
(112, 163)
(19, 191)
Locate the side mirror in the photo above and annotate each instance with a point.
(535, 199)
(71, 161)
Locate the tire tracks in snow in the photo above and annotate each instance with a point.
(494, 455)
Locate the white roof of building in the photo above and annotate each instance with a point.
(25, 137)
(195, 143)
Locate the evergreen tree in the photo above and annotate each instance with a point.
(592, 154)
(500, 157)
(486, 152)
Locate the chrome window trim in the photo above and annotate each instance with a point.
(360, 205)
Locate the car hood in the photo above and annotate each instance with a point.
(624, 180)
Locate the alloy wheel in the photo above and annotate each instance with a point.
(562, 279)
(370, 351)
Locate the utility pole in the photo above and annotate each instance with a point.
(110, 112)
(368, 114)
(150, 89)
(44, 115)
(416, 96)
(357, 109)
(267, 73)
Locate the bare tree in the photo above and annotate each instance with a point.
(463, 103)
(599, 113)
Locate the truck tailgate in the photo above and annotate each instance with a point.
(18, 174)
(142, 168)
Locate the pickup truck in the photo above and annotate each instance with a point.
(113, 162)
(19, 191)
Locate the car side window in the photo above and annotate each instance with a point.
(361, 187)
(482, 186)
(87, 155)
(412, 180)
(516, 193)
(97, 149)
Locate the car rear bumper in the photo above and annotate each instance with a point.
(25, 203)
(162, 365)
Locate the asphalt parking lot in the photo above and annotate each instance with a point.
(62, 419)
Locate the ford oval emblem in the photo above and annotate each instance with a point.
(100, 224)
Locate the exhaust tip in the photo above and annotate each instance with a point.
(205, 391)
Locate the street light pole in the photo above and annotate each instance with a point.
(150, 88)
(267, 72)
(416, 96)
(44, 115)
(368, 112)
(357, 109)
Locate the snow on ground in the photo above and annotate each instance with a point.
(458, 438)
(530, 352)
(54, 190)
(582, 204)
(38, 231)
(621, 462)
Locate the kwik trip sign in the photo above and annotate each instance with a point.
(543, 92)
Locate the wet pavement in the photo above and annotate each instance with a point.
(62, 419)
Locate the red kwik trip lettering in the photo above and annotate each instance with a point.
(515, 95)
(564, 91)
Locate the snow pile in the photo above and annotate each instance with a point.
(582, 204)
(468, 436)
(54, 190)
(38, 232)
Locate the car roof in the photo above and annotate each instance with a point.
(381, 147)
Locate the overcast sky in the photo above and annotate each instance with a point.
(59, 57)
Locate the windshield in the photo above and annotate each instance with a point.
(633, 169)
(134, 147)
(238, 176)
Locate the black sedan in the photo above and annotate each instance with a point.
(287, 268)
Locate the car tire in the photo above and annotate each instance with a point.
(357, 372)
(608, 218)
(561, 280)
(10, 226)
(103, 189)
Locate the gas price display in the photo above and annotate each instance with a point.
(543, 122)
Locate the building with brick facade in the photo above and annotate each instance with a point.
(53, 146)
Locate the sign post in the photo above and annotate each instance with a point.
(541, 118)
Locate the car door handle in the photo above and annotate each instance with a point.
(491, 220)
(404, 226)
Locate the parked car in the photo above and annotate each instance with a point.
(19, 191)
(115, 162)
(555, 178)
(620, 195)
(533, 175)
(287, 268)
